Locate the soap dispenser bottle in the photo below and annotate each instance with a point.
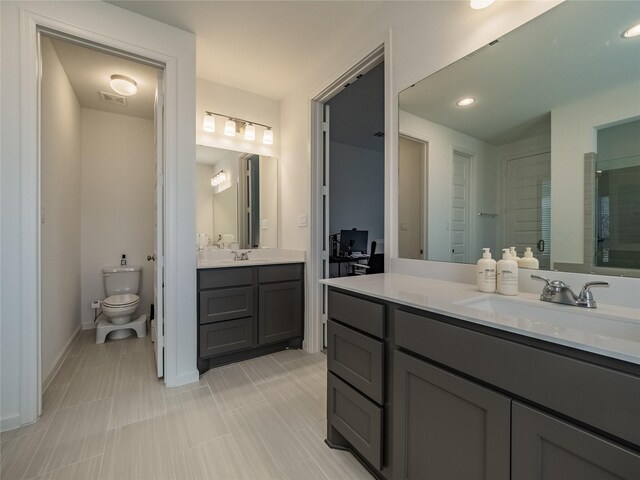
(529, 261)
(486, 272)
(123, 260)
(507, 274)
(514, 254)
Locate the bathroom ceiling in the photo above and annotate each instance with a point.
(264, 47)
(89, 72)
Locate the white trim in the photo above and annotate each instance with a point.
(62, 357)
(9, 423)
(380, 50)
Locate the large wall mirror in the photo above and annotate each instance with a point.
(492, 148)
(237, 199)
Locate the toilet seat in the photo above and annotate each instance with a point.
(121, 301)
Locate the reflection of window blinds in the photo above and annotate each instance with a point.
(545, 212)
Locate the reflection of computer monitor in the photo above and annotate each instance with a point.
(354, 240)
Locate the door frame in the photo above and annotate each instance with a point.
(31, 23)
(377, 53)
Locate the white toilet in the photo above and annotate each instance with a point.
(121, 284)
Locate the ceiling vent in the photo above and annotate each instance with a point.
(114, 99)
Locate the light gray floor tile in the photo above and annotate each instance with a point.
(136, 365)
(295, 400)
(138, 451)
(334, 463)
(314, 363)
(86, 339)
(101, 355)
(75, 434)
(134, 344)
(193, 418)
(90, 384)
(288, 355)
(308, 470)
(262, 369)
(86, 470)
(265, 439)
(219, 458)
(67, 370)
(232, 388)
(16, 454)
(137, 399)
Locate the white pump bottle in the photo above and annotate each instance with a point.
(507, 274)
(486, 271)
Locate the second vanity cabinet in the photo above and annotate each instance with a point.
(462, 400)
(248, 311)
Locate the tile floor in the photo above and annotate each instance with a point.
(106, 416)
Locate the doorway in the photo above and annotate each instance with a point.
(461, 242)
(98, 149)
(321, 244)
(412, 216)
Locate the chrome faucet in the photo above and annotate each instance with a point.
(556, 291)
(241, 256)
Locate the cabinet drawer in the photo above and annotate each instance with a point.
(225, 277)
(280, 273)
(358, 313)
(224, 337)
(356, 418)
(226, 304)
(357, 359)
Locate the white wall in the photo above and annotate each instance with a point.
(237, 103)
(118, 198)
(442, 143)
(573, 133)
(356, 196)
(204, 199)
(19, 172)
(60, 229)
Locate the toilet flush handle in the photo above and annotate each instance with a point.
(151, 257)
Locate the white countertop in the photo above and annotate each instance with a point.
(213, 258)
(608, 330)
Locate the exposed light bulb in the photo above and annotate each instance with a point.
(249, 132)
(480, 4)
(230, 128)
(465, 102)
(209, 123)
(632, 32)
(267, 137)
(123, 85)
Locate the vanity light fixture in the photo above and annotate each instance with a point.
(480, 4)
(632, 32)
(123, 85)
(218, 178)
(234, 124)
(209, 123)
(465, 102)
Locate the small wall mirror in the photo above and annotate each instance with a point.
(237, 199)
(491, 149)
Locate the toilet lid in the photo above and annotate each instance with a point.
(123, 300)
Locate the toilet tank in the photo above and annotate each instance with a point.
(118, 280)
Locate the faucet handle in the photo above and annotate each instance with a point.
(544, 279)
(585, 299)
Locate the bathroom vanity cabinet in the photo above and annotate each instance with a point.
(244, 312)
(419, 395)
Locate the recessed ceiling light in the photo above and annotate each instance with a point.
(123, 85)
(480, 4)
(632, 32)
(465, 102)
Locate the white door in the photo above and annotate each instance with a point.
(460, 207)
(527, 216)
(157, 328)
(326, 244)
(411, 198)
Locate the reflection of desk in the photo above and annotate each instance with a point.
(346, 259)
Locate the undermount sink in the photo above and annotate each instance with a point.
(575, 324)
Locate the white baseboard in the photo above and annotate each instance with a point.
(61, 358)
(10, 422)
(185, 378)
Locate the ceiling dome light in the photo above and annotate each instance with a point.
(480, 4)
(123, 85)
(267, 137)
(209, 123)
(465, 102)
(230, 128)
(632, 32)
(249, 132)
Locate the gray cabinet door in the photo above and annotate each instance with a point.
(547, 448)
(280, 311)
(446, 427)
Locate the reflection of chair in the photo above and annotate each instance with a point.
(375, 263)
